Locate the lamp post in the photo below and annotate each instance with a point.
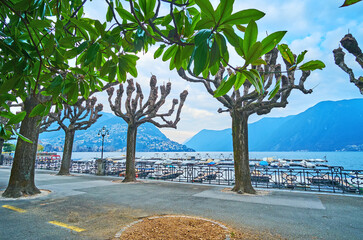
(103, 132)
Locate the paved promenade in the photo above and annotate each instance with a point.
(97, 208)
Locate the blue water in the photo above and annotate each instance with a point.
(348, 160)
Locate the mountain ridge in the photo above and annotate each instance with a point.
(149, 138)
(327, 126)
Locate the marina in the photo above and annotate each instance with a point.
(268, 172)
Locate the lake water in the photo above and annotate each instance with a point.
(348, 160)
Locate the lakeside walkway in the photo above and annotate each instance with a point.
(100, 208)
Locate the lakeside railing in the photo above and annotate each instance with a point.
(327, 179)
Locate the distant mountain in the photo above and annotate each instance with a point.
(327, 126)
(149, 138)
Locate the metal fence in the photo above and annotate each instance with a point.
(331, 179)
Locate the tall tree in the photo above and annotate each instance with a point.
(80, 116)
(351, 45)
(38, 40)
(22, 172)
(272, 92)
(136, 113)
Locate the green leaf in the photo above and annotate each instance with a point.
(286, 53)
(312, 65)
(350, 2)
(200, 58)
(259, 61)
(214, 54)
(159, 51)
(84, 25)
(109, 14)
(22, 5)
(49, 46)
(224, 9)
(91, 53)
(240, 80)
(253, 53)
(112, 73)
(169, 53)
(252, 79)
(301, 56)
(259, 80)
(150, 5)
(276, 89)
(36, 23)
(106, 68)
(10, 83)
(69, 42)
(225, 86)
(250, 36)
(22, 137)
(122, 69)
(204, 23)
(125, 14)
(243, 17)
(206, 7)
(269, 42)
(142, 4)
(38, 110)
(202, 37)
(231, 36)
(17, 118)
(222, 43)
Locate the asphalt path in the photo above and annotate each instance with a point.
(99, 207)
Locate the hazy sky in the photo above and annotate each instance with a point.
(314, 25)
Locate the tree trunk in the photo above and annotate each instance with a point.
(130, 154)
(240, 152)
(1, 150)
(1, 145)
(21, 180)
(67, 152)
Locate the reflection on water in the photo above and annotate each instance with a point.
(349, 160)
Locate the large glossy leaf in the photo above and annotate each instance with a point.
(250, 36)
(204, 23)
(254, 53)
(243, 17)
(252, 79)
(231, 36)
(269, 42)
(91, 53)
(169, 53)
(206, 7)
(17, 118)
(224, 10)
(240, 80)
(159, 51)
(38, 110)
(225, 86)
(125, 14)
(214, 54)
(201, 58)
(202, 37)
(312, 65)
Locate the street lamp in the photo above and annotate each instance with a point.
(103, 132)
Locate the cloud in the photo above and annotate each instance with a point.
(316, 26)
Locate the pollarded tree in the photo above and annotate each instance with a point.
(351, 45)
(257, 98)
(137, 113)
(80, 116)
